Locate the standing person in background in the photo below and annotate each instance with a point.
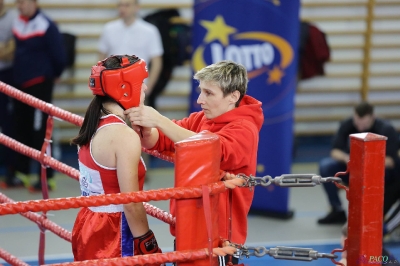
(132, 35)
(7, 46)
(363, 120)
(109, 162)
(39, 60)
(228, 112)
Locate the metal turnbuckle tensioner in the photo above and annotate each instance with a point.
(284, 253)
(288, 180)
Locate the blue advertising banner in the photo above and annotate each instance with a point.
(263, 36)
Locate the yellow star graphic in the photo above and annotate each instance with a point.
(275, 2)
(217, 30)
(275, 75)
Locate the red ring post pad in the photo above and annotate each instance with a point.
(197, 162)
(366, 186)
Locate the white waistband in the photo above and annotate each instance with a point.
(108, 208)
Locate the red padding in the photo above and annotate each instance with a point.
(197, 162)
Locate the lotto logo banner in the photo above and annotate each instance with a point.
(263, 36)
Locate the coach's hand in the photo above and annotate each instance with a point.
(144, 116)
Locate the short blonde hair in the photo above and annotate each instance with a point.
(227, 75)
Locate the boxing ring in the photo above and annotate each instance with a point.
(195, 198)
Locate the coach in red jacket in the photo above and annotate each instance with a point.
(228, 112)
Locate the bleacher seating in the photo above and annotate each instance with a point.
(365, 60)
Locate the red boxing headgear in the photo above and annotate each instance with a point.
(123, 84)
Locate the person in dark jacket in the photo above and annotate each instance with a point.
(7, 46)
(39, 61)
(363, 120)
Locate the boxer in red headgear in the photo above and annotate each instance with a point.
(110, 162)
(123, 82)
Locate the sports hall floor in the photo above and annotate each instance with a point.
(20, 237)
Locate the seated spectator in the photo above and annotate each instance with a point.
(392, 221)
(363, 120)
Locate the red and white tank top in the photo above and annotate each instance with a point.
(97, 179)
